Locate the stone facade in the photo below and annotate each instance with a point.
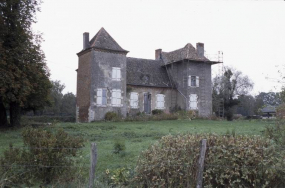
(163, 83)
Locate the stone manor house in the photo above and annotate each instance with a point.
(108, 80)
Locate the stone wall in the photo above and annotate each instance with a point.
(153, 91)
(101, 77)
(83, 87)
(180, 71)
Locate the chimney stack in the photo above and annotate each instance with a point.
(85, 40)
(200, 49)
(158, 54)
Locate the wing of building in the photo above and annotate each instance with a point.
(108, 80)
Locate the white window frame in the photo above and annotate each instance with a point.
(116, 99)
(99, 97)
(160, 101)
(134, 100)
(190, 81)
(116, 73)
(193, 104)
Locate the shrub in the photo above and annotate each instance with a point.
(119, 146)
(110, 116)
(276, 132)
(229, 162)
(157, 112)
(44, 151)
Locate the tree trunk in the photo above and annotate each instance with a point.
(15, 114)
(3, 115)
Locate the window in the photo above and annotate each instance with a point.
(116, 97)
(134, 99)
(193, 81)
(116, 73)
(160, 101)
(101, 97)
(193, 103)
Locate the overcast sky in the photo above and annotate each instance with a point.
(251, 34)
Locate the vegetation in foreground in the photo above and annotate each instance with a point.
(120, 143)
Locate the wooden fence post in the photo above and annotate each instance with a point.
(201, 163)
(93, 160)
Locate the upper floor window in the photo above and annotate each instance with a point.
(116, 73)
(101, 97)
(193, 81)
(160, 101)
(193, 102)
(134, 99)
(116, 97)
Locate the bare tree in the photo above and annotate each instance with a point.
(228, 87)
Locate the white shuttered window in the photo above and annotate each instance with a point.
(134, 99)
(116, 99)
(193, 103)
(160, 101)
(101, 98)
(116, 73)
(193, 81)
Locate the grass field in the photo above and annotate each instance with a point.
(137, 136)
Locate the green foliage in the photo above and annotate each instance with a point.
(119, 146)
(118, 177)
(276, 132)
(111, 116)
(24, 79)
(157, 112)
(230, 161)
(43, 153)
(158, 117)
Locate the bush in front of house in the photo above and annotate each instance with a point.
(119, 146)
(111, 116)
(230, 161)
(157, 112)
(41, 158)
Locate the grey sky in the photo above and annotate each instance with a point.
(250, 33)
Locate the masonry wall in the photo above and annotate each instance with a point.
(101, 77)
(153, 91)
(83, 87)
(180, 72)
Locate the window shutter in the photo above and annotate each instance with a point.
(113, 73)
(118, 74)
(99, 97)
(197, 81)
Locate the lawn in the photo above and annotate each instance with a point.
(137, 136)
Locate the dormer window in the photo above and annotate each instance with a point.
(116, 73)
(193, 81)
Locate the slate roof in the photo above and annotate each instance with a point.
(103, 40)
(146, 72)
(188, 52)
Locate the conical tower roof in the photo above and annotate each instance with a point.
(103, 40)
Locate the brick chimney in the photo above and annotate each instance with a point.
(200, 49)
(158, 54)
(85, 40)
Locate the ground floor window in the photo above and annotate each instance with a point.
(116, 99)
(193, 101)
(134, 99)
(101, 97)
(160, 101)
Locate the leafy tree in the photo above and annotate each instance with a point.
(24, 82)
(246, 106)
(55, 97)
(228, 87)
(270, 98)
(68, 104)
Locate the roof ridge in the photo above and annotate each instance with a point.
(97, 34)
(145, 59)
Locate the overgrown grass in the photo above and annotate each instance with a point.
(137, 136)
